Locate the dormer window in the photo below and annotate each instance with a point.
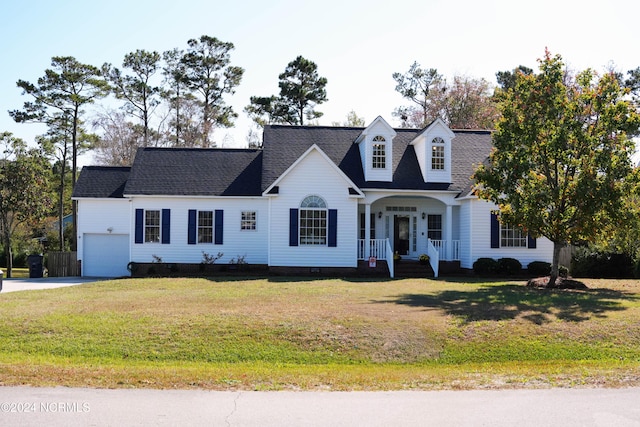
(379, 153)
(437, 154)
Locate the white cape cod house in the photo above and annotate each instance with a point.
(314, 197)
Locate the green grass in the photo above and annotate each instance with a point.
(17, 272)
(321, 334)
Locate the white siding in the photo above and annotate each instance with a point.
(314, 175)
(382, 128)
(252, 244)
(466, 238)
(481, 245)
(102, 216)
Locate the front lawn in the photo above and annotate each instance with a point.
(283, 333)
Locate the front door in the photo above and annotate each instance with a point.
(401, 235)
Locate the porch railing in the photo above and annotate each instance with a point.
(434, 257)
(377, 248)
(441, 247)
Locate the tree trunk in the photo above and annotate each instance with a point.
(61, 204)
(74, 166)
(557, 247)
(6, 237)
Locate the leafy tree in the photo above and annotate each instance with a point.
(56, 143)
(353, 120)
(24, 197)
(561, 158)
(418, 86)
(140, 96)
(301, 89)
(176, 94)
(206, 71)
(468, 104)
(65, 89)
(507, 79)
(464, 104)
(119, 139)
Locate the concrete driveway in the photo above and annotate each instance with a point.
(14, 285)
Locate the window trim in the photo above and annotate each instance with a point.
(438, 145)
(435, 219)
(200, 228)
(379, 153)
(147, 226)
(522, 239)
(313, 222)
(250, 224)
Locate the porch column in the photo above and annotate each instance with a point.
(448, 232)
(367, 233)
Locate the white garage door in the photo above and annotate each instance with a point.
(105, 255)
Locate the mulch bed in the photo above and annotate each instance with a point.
(561, 283)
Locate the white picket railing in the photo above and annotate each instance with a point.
(377, 248)
(434, 256)
(441, 247)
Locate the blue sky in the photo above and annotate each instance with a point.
(357, 45)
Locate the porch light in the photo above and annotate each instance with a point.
(379, 214)
(424, 215)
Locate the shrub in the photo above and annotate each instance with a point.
(539, 268)
(587, 263)
(484, 266)
(509, 266)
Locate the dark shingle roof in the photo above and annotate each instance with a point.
(195, 172)
(283, 145)
(101, 182)
(249, 172)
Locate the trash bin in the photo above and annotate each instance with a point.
(35, 266)
(1, 276)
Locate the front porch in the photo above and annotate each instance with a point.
(438, 250)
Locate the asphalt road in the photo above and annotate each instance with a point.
(26, 406)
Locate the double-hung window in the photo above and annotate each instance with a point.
(434, 227)
(437, 154)
(152, 226)
(512, 237)
(379, 154)
(248, 220)
(205, 226)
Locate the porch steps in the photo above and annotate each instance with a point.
(412, 269)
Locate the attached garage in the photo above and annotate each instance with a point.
(105, 255)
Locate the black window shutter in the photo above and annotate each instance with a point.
(495, 231)
(166, 226)
(219, 226)
(531, 242)
(293, 227)
(139, 226)
(192, 228)
(333, 228)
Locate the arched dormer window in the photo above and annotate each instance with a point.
(379, 153)
(437, 154)
(313, 221)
